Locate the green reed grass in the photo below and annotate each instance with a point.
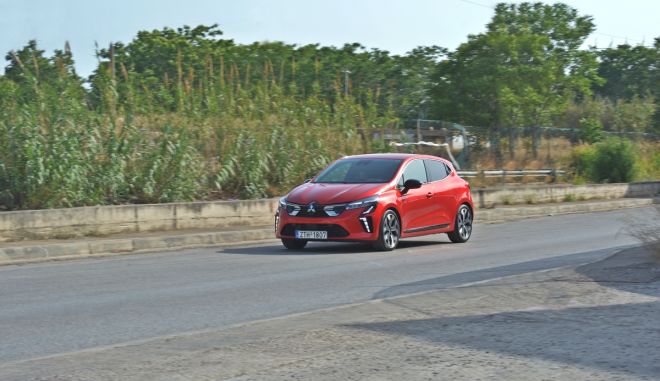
(215, 132)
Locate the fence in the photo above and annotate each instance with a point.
(553, 173)
(469, 142)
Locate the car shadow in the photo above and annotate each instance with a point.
(632, 270)
(613, 338)
(520, 268)
(325, 248)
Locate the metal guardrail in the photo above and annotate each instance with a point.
(513, 173)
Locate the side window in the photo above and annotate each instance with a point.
(415, 170)
(436, 170)
(448, 169)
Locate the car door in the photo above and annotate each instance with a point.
(443, 193)
(416, 202)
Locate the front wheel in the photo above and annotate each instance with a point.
(462, 226)
(390, 232)
(294, 244)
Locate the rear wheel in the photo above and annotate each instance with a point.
(462, 225)
(294, 244)
(390, 232)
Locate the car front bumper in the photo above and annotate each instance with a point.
(351, 225)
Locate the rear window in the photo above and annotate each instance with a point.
(436, 170)
(355, 171)
(415, 170)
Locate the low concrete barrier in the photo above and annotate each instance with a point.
(106, 220)
(537, 194)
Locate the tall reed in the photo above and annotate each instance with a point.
(219, 131)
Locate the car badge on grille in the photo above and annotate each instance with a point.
(311, 208)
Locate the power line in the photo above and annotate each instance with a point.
(619, 37)
(477, 4)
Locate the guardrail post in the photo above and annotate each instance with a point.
(482, 201)
(553, 175)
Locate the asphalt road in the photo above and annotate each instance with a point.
(61, 307)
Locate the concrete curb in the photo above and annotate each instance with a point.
(83, 248)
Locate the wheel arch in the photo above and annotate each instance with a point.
(393, 208)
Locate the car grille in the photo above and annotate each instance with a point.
(334, 231)
(318, 211)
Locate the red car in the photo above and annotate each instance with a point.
(377, 198)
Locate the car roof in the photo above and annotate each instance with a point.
(394, 156)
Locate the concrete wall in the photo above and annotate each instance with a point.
(105, 220)
(535, 194)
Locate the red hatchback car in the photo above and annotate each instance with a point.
(377, 198)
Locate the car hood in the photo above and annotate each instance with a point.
(324, 193)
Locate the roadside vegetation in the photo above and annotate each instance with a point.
(184, 114)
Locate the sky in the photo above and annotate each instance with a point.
(394, 25)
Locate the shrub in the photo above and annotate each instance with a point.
(611, 161)
(581, 161)
(649, 162)
(614, 162)
(591, 130)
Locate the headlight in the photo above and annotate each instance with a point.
(334, 210)
(291, 209)
(369, 204)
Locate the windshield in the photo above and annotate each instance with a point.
(355, 171)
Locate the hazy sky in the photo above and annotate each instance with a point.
(394, 25)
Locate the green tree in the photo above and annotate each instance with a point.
(521, 72)
(629, 71)
(632, 76)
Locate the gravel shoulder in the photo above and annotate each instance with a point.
(596, 321)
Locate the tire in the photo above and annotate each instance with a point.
(462, 225)
(294, 244)
(390, 232)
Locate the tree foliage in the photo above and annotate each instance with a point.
(521, 71)
(160, 61)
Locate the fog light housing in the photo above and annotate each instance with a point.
(277, 221)
(367, 224)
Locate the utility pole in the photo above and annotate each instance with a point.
(420, 115)
(346, 73)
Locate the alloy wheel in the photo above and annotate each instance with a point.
(464, 222)
(391, 230)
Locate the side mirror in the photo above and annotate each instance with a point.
(411, 184)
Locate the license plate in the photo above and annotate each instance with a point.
(311, 234)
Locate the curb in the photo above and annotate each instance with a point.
(103, 247)
(15, 255)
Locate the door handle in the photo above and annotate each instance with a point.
(429, 195)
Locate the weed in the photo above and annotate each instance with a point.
(531, 198)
